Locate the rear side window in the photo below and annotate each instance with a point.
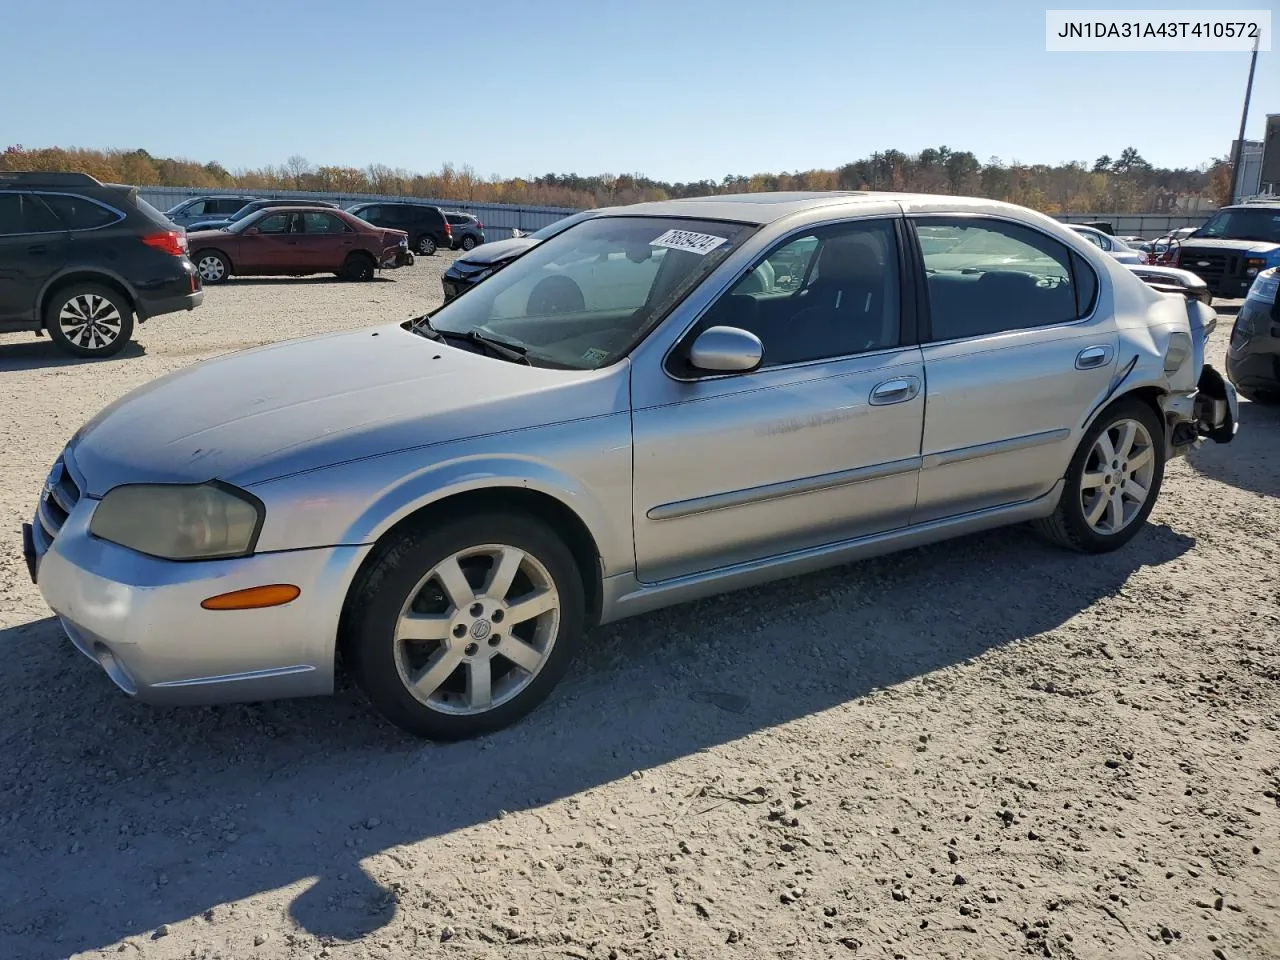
(80, 213)
(225, 206)
(991, 276)
(26, 213)
(323, 223)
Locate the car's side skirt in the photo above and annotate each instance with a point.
(625, 596)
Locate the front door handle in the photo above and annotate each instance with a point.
(1092, 357)
(37, 248)
(897, 390)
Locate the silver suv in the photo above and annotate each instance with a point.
(661, 402)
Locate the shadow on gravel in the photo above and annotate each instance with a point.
(116, 818)
(40, 353)
(1252, 460)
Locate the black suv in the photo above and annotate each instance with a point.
(81, 259)
(427, 228)
(1237, 244)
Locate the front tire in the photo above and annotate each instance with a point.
(426, 245)
(89, 320)
(462, 629)
(1112, 482)
(213, 266)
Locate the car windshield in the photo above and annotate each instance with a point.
(560, 226)
(585, 297)
(1263, 224)
(244, 223)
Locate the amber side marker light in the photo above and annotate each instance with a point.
(253, 598)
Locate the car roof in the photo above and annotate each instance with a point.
(763, 208)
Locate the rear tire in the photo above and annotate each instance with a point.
(359, 266)
(212, 265)
(468, 243)
(89, 320)
(426, 245)
(1262, 399)
(443, 651)
(1112, 482)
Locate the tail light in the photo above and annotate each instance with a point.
(172, 242)
(448, 229)
(479, 225)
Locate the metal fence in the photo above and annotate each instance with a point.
(1146, 225)
(498, 218)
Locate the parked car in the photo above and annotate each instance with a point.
(1112, 245)
(426, 225)
(252, 207)
(1234, 246)
(465, 272)
(200, 209)
(82, 260)
(295, 241)
(627, 416)
(1253, 355)
(467, 232)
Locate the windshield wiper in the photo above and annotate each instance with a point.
(422, 326)
(508, 351)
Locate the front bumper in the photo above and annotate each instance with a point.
(140, 618)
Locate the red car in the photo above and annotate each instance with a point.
(295, 241)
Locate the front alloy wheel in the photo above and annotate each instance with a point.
(477, 640)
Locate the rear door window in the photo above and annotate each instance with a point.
(323, 223)
(80, 213)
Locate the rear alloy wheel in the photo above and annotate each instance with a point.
(1112, 481)
(477, 640)
(426, 245)
(212, 266)
(358, 267)
(468, 242)
(88, 320)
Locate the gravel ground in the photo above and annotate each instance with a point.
(980, 749)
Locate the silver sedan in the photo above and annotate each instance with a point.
(662, 402)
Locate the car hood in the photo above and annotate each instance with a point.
(498, 250)
(299, 405)
(207, 226)
(1260, 247)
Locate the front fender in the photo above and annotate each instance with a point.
(584, 465)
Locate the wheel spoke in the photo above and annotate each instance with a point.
(422, 626)
(504, 572)
(520, 653)
(479, 684)
(1117, 511)
(1091, 481)
(442, 663)
(531, 605)
(1127, 434)
(455, 584)
(1105, 450)
(1140, 459)
(1136, 491)
(1096, 511)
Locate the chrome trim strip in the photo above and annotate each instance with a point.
(237, 677)
(946, 458)
(785, 488)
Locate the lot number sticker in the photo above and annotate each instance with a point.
(699, 243)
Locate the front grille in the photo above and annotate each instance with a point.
(57, 500)
(1211, 266)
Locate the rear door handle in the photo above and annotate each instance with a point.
(1091, 357)
(38, 248)
(897, 390)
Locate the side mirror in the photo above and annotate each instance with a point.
(252, 232)
(726, 350)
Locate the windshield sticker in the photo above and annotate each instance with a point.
(595, 355)
(699, 243)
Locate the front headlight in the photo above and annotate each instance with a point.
(208, 521)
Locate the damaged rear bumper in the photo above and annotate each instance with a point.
(1211, 411)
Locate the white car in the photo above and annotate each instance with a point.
(1112, 245)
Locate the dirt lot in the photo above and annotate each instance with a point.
(981, 749)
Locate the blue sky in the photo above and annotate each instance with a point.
(676, 90)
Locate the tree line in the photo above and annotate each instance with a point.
(1124, 184)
